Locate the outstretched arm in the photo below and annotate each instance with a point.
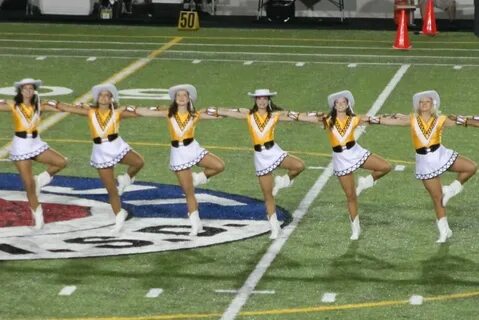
(152, 112)
(4, 105)
(80, 109)
(128, 112)
(211, 113)
(473, 121)
(312, 117)
(465, 121)
(50, 106)
(237, 113)
(396, 119)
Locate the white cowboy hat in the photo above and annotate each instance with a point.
(187, 87)
(262, 93)
(436, 100)
(96, 90)
(341, 94)
(36, 83)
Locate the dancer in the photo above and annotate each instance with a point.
(348, 155)
(109, 148)
(185, 151)
(27, 146)
(432, 158)
(268, 156)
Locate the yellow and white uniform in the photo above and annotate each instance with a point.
(108, 147)
(185, 151)
(268, 155)
(348, 155)
(432, 158)
(26, 143)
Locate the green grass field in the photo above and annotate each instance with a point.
(373, 278)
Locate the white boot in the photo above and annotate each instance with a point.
(199, 178)
(275, 226)
(41, 180)
(196, 225)
(355, 228)
(124, 181)
(281, 182)
(364, 183)
(38, 217)
(444, 231)
(119, 221)
(450, 191)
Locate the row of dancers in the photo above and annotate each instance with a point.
(340, 122)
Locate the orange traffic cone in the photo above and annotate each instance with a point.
(429, 20)
(402, 36)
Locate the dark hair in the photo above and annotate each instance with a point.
(19, 98)
(274, 107)
(334, 113)
(173, 109)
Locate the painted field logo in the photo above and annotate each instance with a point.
(79, 219)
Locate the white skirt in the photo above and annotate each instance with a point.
(268, 159)
(349, 160)
(22, 149)
(433, 164)
(108, 153)
(185, 157)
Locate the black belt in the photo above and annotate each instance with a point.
(267, 145)
(24, 134)
(110, 137)
(426, 150)
(348, 146)
(185, 142)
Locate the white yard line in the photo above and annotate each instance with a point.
(387, 63)
(74, 49)
(253, 279)
(295, 54)
(123, 74)
(23, 35)
(262, 53)
(245, 45)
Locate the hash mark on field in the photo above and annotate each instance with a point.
(67, 291)
(154, 293)
(329, 297)
(91, 59)
(40, 58)
(317, 168)
(457, 67)
(196, 61)
(416, 300)
(352, 65)
(299, 64)
(248, 63)
(254, 291)
(399, 167)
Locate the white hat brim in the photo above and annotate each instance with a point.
(262, 93)
(96, 90)
(426, 94)
(187, 87)
(341, 94)
(21, 83)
